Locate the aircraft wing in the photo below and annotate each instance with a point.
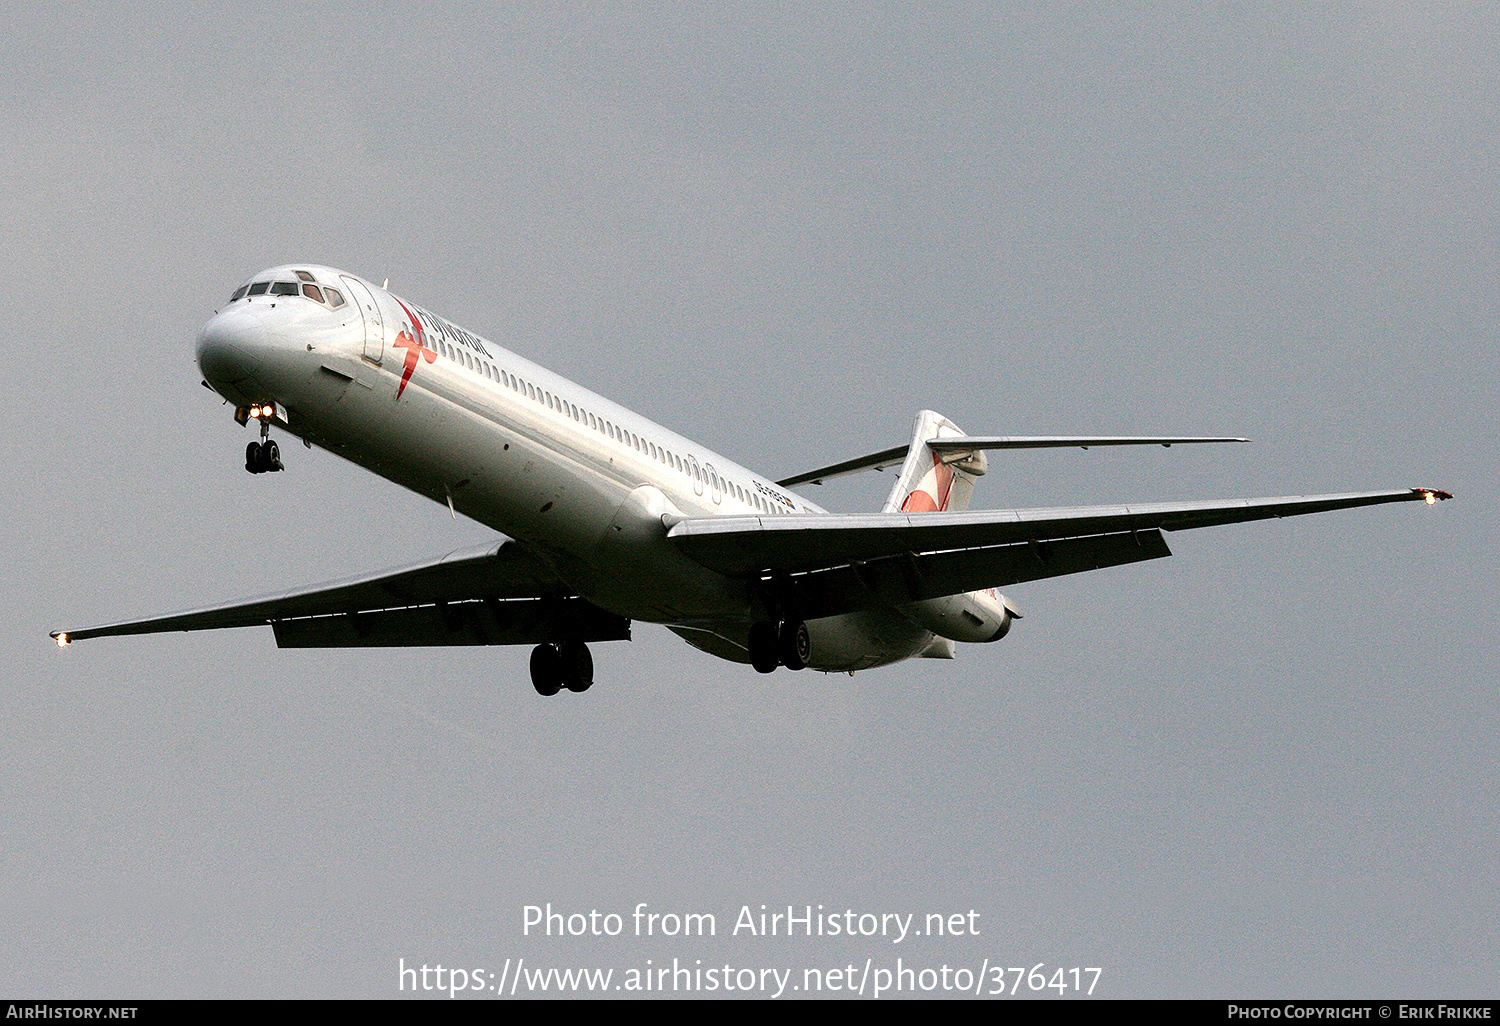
(835, 563)
(496, 593)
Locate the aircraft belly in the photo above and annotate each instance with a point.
(439, 448)
(505, 478)
(839, 644)
(634, 571)
(859, 641)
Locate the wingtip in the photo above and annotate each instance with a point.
(1431, 495)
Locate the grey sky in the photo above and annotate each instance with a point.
(1265, 766)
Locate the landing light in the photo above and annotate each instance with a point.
(1431, 499)
(62, 641)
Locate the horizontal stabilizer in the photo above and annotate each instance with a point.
(971, 443)
(874, 461)
(892, 457)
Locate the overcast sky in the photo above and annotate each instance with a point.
(1265, 766)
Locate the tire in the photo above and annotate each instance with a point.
(763, 647)
(793, 644)
(576, 664)
(546, 670)
(252, 457)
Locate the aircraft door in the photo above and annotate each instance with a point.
(369, 310)
(697, 474)
(715, 484)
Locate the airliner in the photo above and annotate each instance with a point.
(606, 518)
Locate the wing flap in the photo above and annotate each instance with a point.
(491, 571)
(493, 622)
(911, 577)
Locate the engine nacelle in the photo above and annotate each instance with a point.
(973, 616)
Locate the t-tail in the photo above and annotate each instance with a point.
(934, 480)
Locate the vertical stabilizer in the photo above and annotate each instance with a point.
(931, 481)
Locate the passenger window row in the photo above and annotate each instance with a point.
(690, 468)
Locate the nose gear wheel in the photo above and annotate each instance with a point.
(262, 457)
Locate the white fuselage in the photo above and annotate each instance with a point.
(576, 477)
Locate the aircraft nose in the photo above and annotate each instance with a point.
(248, 354)
(228, 346)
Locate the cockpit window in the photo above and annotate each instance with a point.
(317, 293)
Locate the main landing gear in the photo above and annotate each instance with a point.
(566, 664)
(265, 455)
(779, 644)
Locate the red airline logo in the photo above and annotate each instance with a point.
(921, 502)
(415, 350)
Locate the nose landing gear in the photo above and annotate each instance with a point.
(265, 455)
(261, 457)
